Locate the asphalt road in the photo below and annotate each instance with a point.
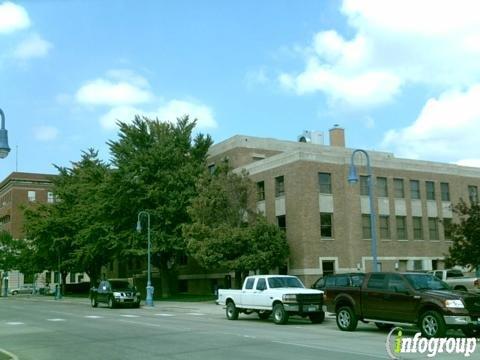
(38, 328)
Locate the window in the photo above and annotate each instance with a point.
(473, 194)
(433, 228)
(279, 186)
(50, 197)
(364, 185)
(72, 278)
(382, 189)
(261, 284)
(260, 191)
(417, 228)
(211, 168)
(326, 225)
(325, 183)
(430, 190)
(328, 267)
(366, 227)
(396, 283)
(342, 280)
(31, 195)
(376, 281)
(384, 221)
(417, 265)
(282, 222)
(414, 189)
(447, 228)
(399, 189)
(401, 228)
(445, 190)
(249, 283)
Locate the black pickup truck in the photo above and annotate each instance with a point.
(405, 299)
(115, 293)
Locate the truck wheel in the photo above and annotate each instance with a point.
(93, 301)
(432, 324)
(111, 303)
(264, 315)
(346, 319)
(280, 316)
(232, 311)
(317, 318)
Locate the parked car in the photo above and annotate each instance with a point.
(279, 295)
(336, 280)
(23, 289)
(457, 280)
(405, 298)
(115, 293)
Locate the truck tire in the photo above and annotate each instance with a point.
(111, 303)
(280, 316)
(264, 315)
(317, 318)
(232, 311)
(93, 301)
(432, 324)
(346, 319)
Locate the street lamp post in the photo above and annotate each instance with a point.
(353, 179)
(149, 299)
(4, 150)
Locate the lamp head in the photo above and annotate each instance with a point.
(352, 175)
(4, 148)
(139, 226)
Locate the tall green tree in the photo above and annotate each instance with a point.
(465, 235)
(156, 165)
(226, 233)
(74, 233)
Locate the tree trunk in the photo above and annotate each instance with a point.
(164, 277)
(238, 279)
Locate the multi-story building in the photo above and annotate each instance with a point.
(17, 190)
(302, 186)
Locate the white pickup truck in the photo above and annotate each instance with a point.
(280, 295)
(458, 281)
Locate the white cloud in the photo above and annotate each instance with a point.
(114, 93)
(429, 42)
(13, 17)
(446, 129)
(32, 47)
(45, 133)
(168, 112)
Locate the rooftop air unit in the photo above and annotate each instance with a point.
(313, 137)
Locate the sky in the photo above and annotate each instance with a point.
(398, 76)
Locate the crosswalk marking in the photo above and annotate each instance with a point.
(56, 320)
(15, 323)
(195, 314)
(129, 316)
(163, 314)
(93, 317)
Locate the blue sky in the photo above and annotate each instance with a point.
(399, 76)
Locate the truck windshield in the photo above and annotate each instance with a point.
(425, 282)
(284, 282)
(121, 285)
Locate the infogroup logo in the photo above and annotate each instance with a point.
(398, 345)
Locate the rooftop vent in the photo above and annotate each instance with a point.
(313, 137)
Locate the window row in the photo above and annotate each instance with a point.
(381, 188)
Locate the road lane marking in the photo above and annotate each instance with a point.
(129, 316)
(164, 314)
(93, 317)
(15, 323)
(56, 319)
(195, 314)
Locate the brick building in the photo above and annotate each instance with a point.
(302, 186)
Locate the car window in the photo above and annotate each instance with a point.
(425, 282)
(119, 285)
(357, 279)
(284, 282)
(249, 283)
(342, 280)
(396, 283)
(438, 274)
(330, 281)
(454, 274)
(376, 281)
(261, 284)
(319, 284)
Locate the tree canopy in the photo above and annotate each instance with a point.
(465, 235)
(225, 232)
